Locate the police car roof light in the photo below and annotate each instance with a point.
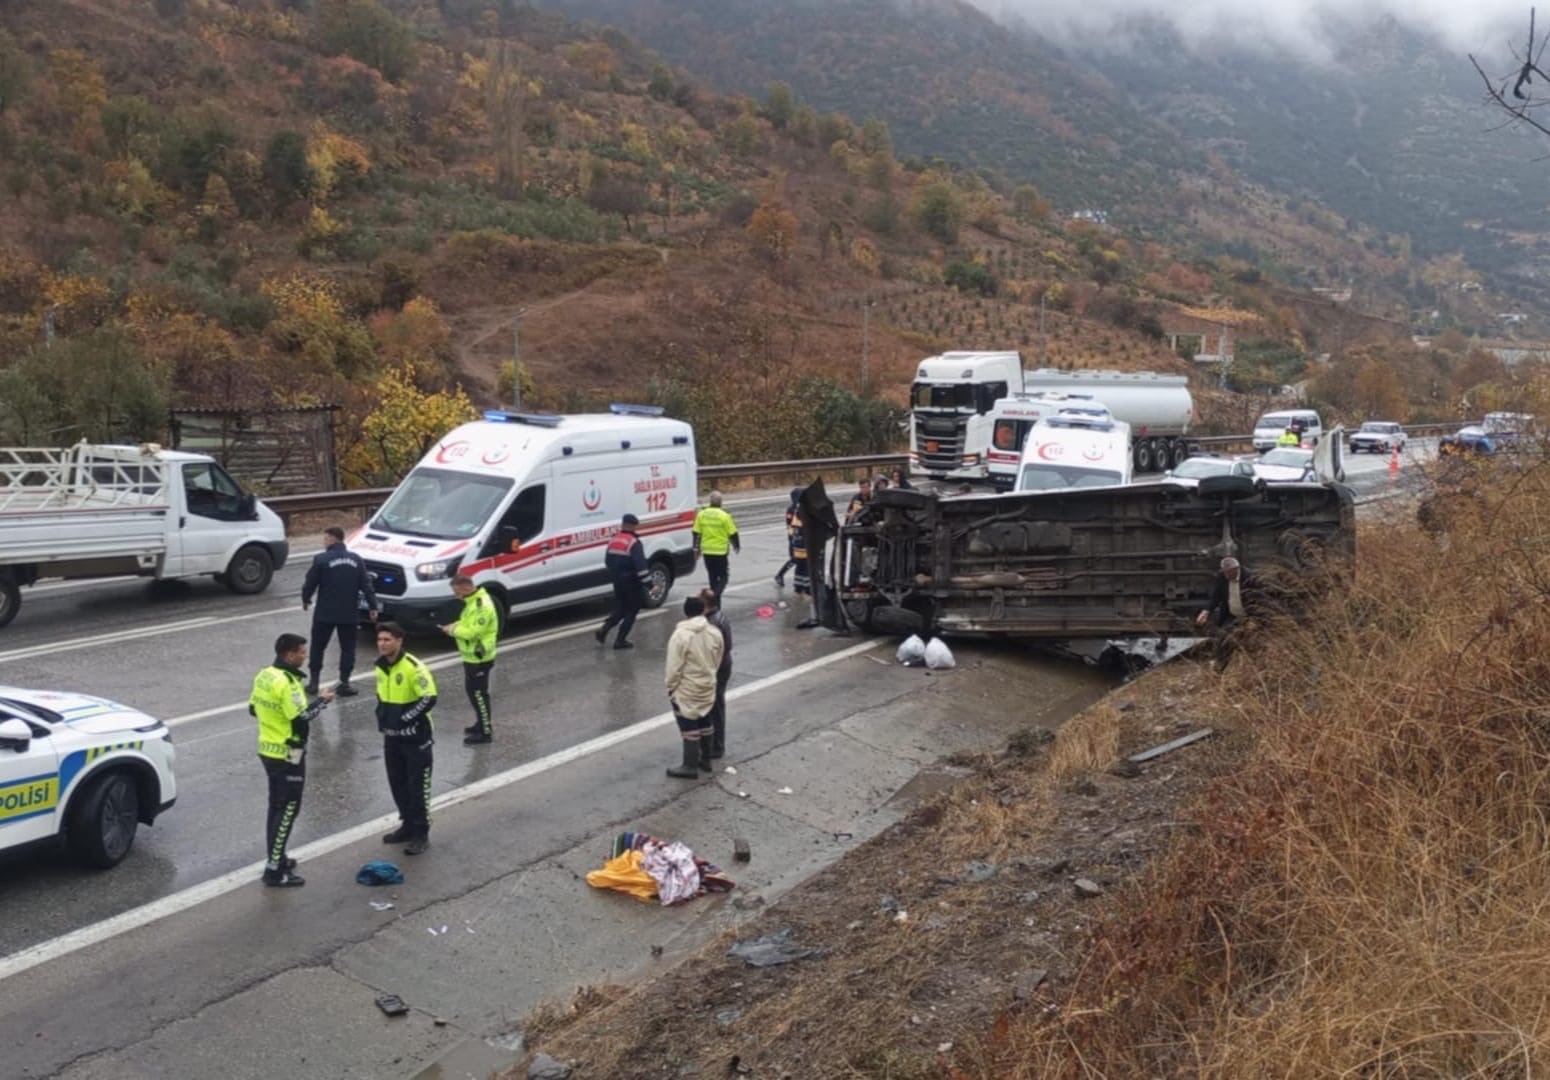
(622, 409)
(500, 416)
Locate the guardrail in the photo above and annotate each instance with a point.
(288, 506)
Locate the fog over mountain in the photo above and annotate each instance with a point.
(1312, 30)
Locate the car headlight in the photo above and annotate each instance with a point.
(442, 568)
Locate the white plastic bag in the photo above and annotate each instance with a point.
(913, 652)
(938, 656)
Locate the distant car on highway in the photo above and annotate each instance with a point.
(1285, 465)
(1498, 431)
(1378, 436)
(82, 768)
(1190, 472)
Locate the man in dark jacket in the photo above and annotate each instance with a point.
(338, 578)
(718, 618)
(627, 569)
(1227, 605)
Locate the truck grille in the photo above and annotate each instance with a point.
(387, 579)
(939, 453)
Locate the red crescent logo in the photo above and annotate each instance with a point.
(1094, 453)
(496, 455)
(592, 498)
(451, 451)
(1051, 451)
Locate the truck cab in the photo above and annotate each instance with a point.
(950, 405)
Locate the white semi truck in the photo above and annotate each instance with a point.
(955, 396)
(103, 511)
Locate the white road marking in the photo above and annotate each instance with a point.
(118, 637)
(443, 660)
(48, 951)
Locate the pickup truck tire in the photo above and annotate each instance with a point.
(1232, 487)
(250, 571)
(102, 822)
(10, 599)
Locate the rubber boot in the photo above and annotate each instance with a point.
(718, 740)
(690, 769)
(705, 765)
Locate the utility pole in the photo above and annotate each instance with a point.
(516, 361)
(866, 344)
(1042, 295)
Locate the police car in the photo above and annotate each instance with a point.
(83, 768)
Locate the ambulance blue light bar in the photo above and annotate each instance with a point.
(500, 416)
(619, 409)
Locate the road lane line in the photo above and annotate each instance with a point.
(444, 660)
(119, 637)
(55, 948)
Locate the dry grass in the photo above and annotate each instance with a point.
(1370, 895)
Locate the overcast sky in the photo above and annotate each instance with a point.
(1468, 25)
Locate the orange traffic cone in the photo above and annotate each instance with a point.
(1394, 462)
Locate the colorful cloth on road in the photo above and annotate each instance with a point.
(672, 867)
(379, 873)
(711, 877)
(623, 873)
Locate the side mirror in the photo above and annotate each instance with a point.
(247, 507)
(15, 735)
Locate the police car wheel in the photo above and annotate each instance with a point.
(250, 570)
(661, 582)
(104, 819)
(10, 600)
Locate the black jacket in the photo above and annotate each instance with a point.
(1217, 610)
(718, 619)
(339, 579)
(626, 559)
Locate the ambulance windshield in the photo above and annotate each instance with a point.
(442, 504)
(1056, 477)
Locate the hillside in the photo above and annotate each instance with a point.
(260, 205)
(1328, 174)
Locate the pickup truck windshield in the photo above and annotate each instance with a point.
(1059, 477)
(442, 504)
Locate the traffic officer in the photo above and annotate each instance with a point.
(715, 534)
(279, 703)
(475, 632)
(339, 580)
(627, 569)
(406, 694)
(1289, 437)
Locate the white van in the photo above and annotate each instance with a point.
(1075, 450)
(1273, 425)
(525, 505)
(1013, 416)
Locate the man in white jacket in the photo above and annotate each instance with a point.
(693, 655)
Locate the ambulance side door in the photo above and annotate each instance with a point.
(29, 778)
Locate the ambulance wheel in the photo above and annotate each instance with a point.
(659, 583)
(10, 600)
(103, 820)
(250, 571)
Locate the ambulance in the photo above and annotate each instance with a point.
(1075, 450)
(1014, 416)
(525, 504)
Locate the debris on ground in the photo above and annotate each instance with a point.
(378, 872)
(771, 950)
(650, 868)
(544, 1067)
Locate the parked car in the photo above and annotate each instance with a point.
(1285, 465)
(1270, 427)
(1378, 437)
(1190, 472)
(1498, 431)
(88, 770)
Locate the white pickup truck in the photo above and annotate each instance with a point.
(103, 511)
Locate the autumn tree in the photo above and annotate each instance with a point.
(875, 137)
(417, 335)
(404, 421)
(367, 31)
(95, 386)
(1028, 205)
(804, 125)
(1377, 393)
(285, 167)
(618, 195)
(773, 230)
(660, 88)
(15, 71)
(779, 104)
(505, 106)
(939, 210)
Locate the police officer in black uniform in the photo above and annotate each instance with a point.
(626, 563)
(338, 578)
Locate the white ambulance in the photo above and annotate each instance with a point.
(525, 504)
(1013, 416)
(1075, 450)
